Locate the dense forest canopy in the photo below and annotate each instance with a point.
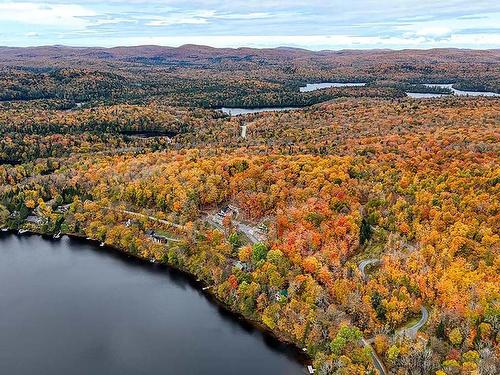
(365, 220)
(209, 77)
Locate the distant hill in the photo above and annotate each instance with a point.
(211, 77)
(195, 53)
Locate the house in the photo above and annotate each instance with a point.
(281, 295)
(62, 209)
(262, 228)
(155, 237)
(35, 220)
(242, 266)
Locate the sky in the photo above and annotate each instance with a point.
(311, 24)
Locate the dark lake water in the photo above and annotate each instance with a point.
(71, 307)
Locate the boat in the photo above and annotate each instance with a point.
(57, 235)
(5, 229)
(21, 231)
(152, 261)
(101, 244)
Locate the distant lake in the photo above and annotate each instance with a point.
(460, 92)
(71, 307)
(326, 85)
(449, 86)
(243, 111)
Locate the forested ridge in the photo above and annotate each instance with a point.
(243, 77)
(277, 224)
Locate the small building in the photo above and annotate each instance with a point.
(262, 228)
(155, 237)
(243, 266)
(281, 295)
(62, 209)
(32, 219)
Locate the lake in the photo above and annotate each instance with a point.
(460, 92)
(325, 85)
(449, 86)
(243, 111)
(71, 307)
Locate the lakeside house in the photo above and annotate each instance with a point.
(158, 238)
(34, 219)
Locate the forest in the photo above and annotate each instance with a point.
(337, 226)
(244, 77)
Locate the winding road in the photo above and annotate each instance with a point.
(375, 359)
(412, 331)
(363, 264)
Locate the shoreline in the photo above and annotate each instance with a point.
(298, 354)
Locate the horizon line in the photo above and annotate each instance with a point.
(413, 48)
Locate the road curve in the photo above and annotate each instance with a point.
(375, 359)
(412, 331)
(363, 264)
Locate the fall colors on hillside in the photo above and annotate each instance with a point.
(277, 223)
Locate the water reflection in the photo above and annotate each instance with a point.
(71, 307)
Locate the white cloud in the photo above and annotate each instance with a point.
(244, 16)
(201, 17)
(359, 24)
(434, 31)
(437, 29)
(186, 18)
(59, 15)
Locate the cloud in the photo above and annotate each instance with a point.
(201, 17)
(244, 16)
(434, 32)
(311, 24)
(56, 15)
(184, 18)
